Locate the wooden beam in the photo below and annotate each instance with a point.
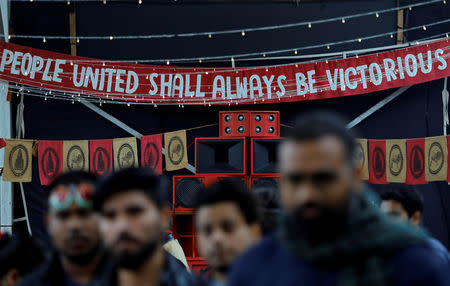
(400, 25)
(73, 34)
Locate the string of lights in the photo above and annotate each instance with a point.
(241, 31)
(264, 54)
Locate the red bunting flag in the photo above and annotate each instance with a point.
(50, 160)
(2, 143)
(377, 162)
(101, 160)
(151, 152)
(415, 158)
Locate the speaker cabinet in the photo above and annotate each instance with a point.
(264, 155)
(265, 124)
(234, 123)
(186, 188)
(220, 155)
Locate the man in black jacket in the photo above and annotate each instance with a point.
(78, 256)
(133, 217)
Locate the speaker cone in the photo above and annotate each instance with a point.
(257, 118)
(227, 118)
(271, 130)
(241, 117)
(241, 129)
(271, 118)
(258, 129)
(227, 130)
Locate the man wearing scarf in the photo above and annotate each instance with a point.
(330, 232)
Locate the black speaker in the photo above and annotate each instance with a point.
(186, 191)
(220, 155)
(264, 156)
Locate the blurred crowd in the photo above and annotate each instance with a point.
(320, 226)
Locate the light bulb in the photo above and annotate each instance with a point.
(424, 28)
(140, 2)
(168, 62)
(264, 55)
(210, 36)
(295, 52)
(68, 2)
(243, 33)
(360, 40)
(309, 25)
(200, 61)
(343, 21)
(328, 47)
(78, 40)
(104, 2)
(9, 37)
(44, 40)
(377, 15)
(392, 36)
(111, 37)
(410, 8)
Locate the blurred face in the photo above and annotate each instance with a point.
(132, 227)
(223, 234)
(317, 181)
(74, 231)
(394, 210)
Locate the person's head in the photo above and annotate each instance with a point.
(319, 170)
(226, 222)
(70, 219)
(133, 215)
(267, 190)
(402, 202)
(18, 257)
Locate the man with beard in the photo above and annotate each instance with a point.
(227, 223)
(78, 258)
(330, 233)
(133, 217)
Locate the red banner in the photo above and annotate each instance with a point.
(50, 156)
(2, 143)
(100, 156)
(415, 171)
(151, 152)
(181, 85)
(377, 162)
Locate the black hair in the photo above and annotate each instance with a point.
(406, 195)
(317, 124)
(69, 178)
(125, 180)
(19, 252)
(73, 177)
(235, 191)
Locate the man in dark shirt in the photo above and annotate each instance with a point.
(226, 223)
(78, 258)
(330, 233)
(404, 203)
(133, 217)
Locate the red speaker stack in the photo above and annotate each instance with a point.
(246, 149)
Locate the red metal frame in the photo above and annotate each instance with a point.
(197, 264)
(275, 176)
(219, 138)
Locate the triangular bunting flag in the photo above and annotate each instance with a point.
(76, 156)
(101, 156)
(125, 153)
(50, 156)
(415, 154)
(436, 158)
(2, 143)
(396, 161)
(377, 161)
(362, 158)
(176, 151)
(151, 152)
(17, 164)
